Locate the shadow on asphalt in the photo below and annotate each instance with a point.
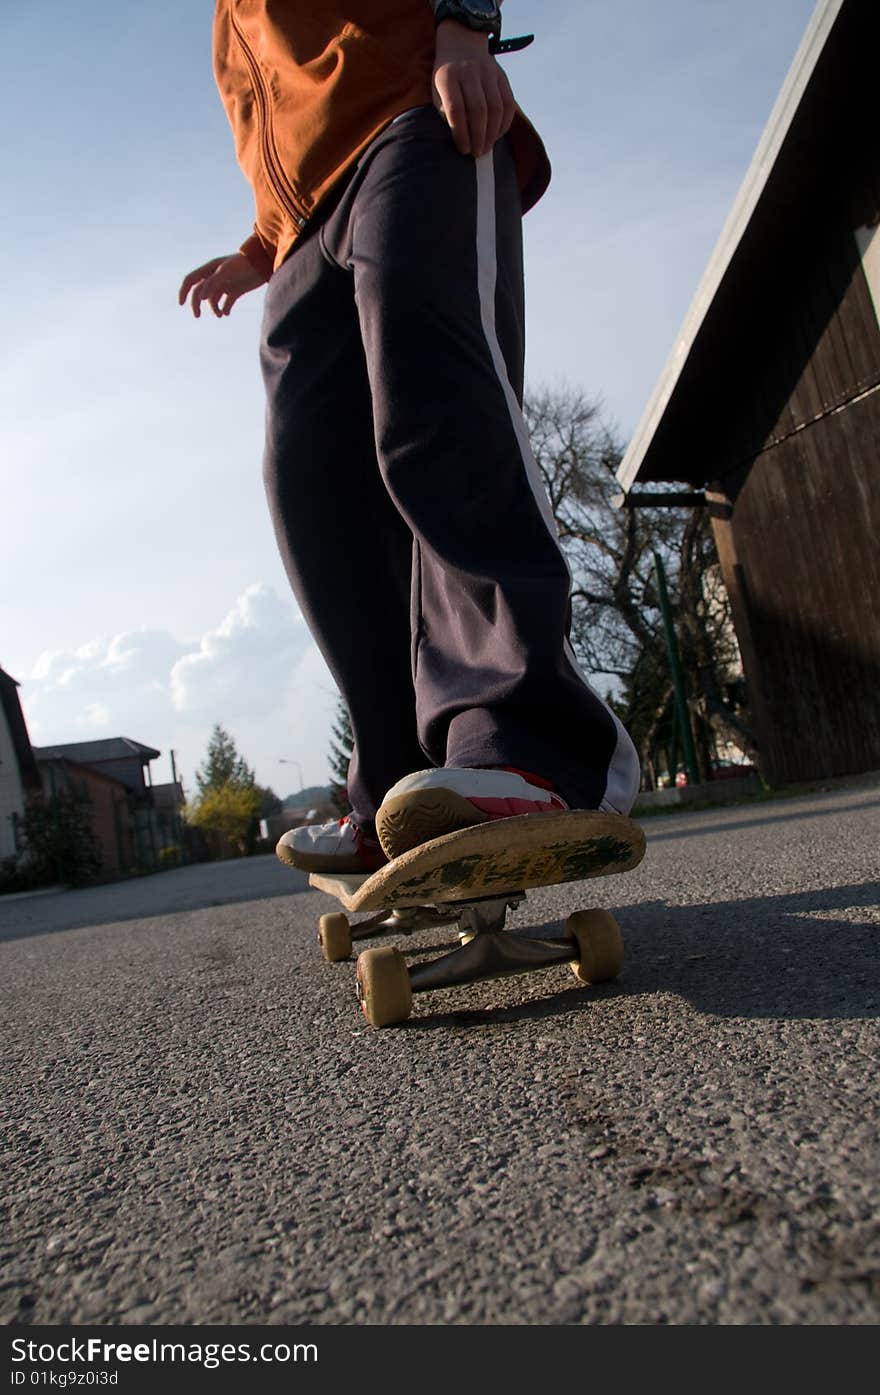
(783, 957)
(772, 815)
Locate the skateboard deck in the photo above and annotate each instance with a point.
(503, 856)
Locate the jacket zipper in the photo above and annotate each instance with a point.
(274, 170)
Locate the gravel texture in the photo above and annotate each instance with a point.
(202, 1129)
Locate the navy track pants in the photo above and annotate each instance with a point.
(410, 513)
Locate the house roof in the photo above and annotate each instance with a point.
(11, 707)
(94, 752)
(827, 94)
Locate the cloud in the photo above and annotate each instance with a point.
(257, 672)
(108, 679)
(244, 665)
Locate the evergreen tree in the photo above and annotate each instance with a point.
(341, 749)
(229, 800)
(223, 765)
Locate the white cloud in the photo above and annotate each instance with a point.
(257, 672)
(244, 665)
(95, 715)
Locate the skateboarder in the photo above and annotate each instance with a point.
(391, 167)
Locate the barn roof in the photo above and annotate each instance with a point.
(829, 93)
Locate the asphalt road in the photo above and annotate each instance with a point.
(202, 1128)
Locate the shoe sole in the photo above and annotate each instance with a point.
(319, 862)
(408, 820)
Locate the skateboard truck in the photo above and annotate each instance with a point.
(592, 945)
(487, 914)
(485, 952)
(472, 876)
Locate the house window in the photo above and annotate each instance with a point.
(868, 240)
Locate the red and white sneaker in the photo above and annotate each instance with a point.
(330, 847)
(433, 802)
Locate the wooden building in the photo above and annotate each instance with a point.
(770, 403)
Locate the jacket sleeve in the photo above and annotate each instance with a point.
(260, 253)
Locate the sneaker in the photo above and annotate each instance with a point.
(432, 802)
(330, 847)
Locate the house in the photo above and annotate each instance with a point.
(110, 819)
(114, 775)
(768, 409)
(19, 776)
(117, 756)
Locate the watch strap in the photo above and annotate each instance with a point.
(452, 9)
(510, 45)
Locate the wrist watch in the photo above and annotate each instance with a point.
(482, 15)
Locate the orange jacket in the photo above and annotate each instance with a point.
(306, 88)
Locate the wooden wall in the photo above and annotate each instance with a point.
(801, 546)
(807, 343)
(800, 550)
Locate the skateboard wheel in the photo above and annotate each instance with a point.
(600, 944)
(334, 936)
(383, 986)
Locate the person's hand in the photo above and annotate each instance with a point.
(470, 89)
(221, 282)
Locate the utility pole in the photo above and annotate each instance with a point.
(285, 761)
(178, 826)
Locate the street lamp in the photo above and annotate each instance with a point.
(285, 761)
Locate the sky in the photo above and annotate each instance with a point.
(142, 594)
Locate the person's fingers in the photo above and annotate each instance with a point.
(227, 292)
(476, 113)
(232, 295)
(500, 107)
(200, 293)
(195, 276)
(220, 291)
(478, 106)
(494, 119)
(187, 284)
(216, 289)
(453, 108)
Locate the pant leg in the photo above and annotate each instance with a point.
(432, 239)
(345, 547)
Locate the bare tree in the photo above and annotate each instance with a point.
(708, 643)
(617, 624)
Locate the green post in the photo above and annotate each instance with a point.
(681, 707)
(672, 750)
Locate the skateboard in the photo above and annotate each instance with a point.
(473, 877)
